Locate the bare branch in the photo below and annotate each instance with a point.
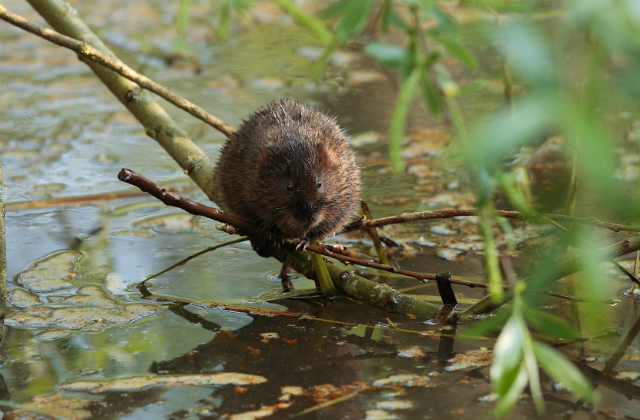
(450, 213)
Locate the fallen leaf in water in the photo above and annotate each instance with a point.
(470, 359)
(628, 375)
(394, 405)
(412, 352)
(55, 405)
(139, 383)
(406, 379)
(263, 412)
(50, 273)
(380, 415)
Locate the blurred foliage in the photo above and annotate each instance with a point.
(569, 69)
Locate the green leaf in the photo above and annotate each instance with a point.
(509, 398)
(531, 364)
(335, 9)
(562, 370)
(459, 51)
(549, 324)
(389, 55)
(391, 17)
(354, 18)
(486, 326)
(446, 22)
(430, 93)
(507, 355)
(506, 130)
(528, 53)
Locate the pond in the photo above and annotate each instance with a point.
(81, 341)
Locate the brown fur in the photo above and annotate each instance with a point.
(284, 143)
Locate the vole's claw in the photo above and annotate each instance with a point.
(302, 244)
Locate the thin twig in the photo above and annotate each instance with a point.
(197, 254)
(93, 54)
(451, 213)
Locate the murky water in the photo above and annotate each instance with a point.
(75, 315)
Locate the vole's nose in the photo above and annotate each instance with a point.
(308, 213)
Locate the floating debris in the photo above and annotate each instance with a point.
(628, 375)
(450, 254)
(90, 309)
(290, 391)
(470, 359)
(406, 379)
(140, 383)
(266, 337)
(90, 296)
(441, 229)
(55, 405)
(489, 398)
(53, 335)
(263, 412)
(414, 352)
(380, 415)
(394, 405)
(54, 272)
(20, 298)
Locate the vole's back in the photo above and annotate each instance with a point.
(290, 170)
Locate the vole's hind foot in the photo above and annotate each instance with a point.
(284, 279)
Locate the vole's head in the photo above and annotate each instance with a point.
(301, 179)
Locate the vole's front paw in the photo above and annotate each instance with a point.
(301, 244)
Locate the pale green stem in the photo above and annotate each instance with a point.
(399, 119)
(326, 285)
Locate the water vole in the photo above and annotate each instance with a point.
(290, 170)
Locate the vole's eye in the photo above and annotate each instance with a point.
(319, 184)
(289, 187)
